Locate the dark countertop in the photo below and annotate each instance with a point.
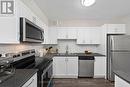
(123, 75)
(78, 54)
(42, 62)
(20, 77)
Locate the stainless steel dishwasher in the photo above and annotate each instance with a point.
(86, 66)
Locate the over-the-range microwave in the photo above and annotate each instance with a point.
(30, 32)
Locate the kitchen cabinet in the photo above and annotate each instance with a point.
(115, 28)
(9, 24)
(32, 82)
(24, 11)
(52, 35)
(67, 32)
(9, 32)
(65, 67)
(88, 35)
(120, 82)
(100, 67)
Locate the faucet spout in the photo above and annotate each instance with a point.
(67, 49)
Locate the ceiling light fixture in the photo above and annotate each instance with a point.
(88, 3)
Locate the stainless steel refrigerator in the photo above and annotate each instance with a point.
(118, 54)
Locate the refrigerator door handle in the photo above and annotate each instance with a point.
(112, 44)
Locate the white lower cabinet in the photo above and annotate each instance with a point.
(65, 67)
(32, 82)
(100, 67)
(120, 82)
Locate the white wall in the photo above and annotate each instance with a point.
(74, 48)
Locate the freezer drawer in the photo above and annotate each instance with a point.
(86, 66)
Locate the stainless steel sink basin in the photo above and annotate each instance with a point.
(66, 54)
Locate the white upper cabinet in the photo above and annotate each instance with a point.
(52, 35)
(24, 11)
(88, 35)
(115, 28)
(66, 33)
(9, 32)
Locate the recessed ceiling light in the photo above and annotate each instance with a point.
(88, 3)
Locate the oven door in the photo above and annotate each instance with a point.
(47, 80)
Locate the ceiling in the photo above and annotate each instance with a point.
(73, 10)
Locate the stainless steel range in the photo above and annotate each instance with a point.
(28, 60)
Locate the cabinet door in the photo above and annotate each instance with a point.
(87, 36)
(120, 82)
(116, 28)
(62, 33)
(52, 35)
(66, 33)
(95, 35)
(72, 67)
(82, 36)
(100, 67)
(120, 28)
(9, 30)
(59, 66)
(9, 27)
(72, 32)
(25, 11)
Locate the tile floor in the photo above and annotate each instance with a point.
(82, 82)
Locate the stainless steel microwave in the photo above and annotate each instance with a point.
(30, 32)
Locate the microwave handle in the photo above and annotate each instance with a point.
(42, 36)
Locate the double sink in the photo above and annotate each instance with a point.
(66, 54)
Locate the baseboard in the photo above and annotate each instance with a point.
(99, 76)
(65, 76)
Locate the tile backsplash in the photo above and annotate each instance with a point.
(13, 48)
(74, 48)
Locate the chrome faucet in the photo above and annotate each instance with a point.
(67, 49)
